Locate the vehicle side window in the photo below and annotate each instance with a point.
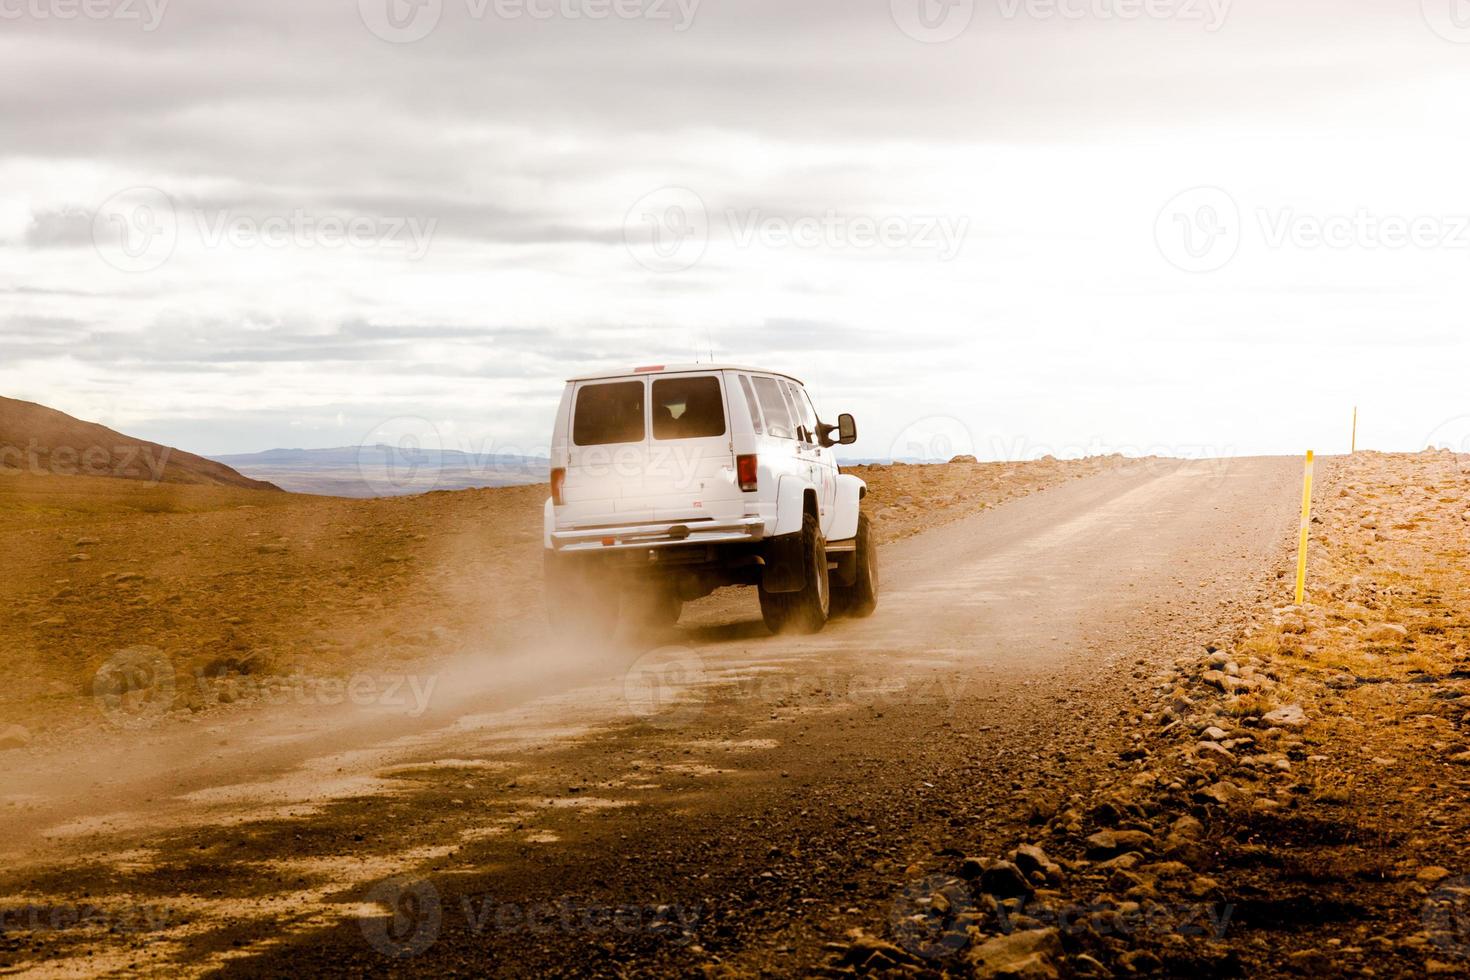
(809, 407)
(750, 403)
(773, 407)
(802, 409)
(608, 414)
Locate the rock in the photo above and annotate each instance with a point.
(277, 549)
(1432, 875)
(1214, 678)
(1185, 850)
(1388, 633)
(1288, 716)
(86, 542)
(964, 459)
(1004, 880)
(1461, 758)
(14, 737)
(1028, 955)
(1140, 961)
(870, 954)
(1222, 792)
(1125, 862)
(1215, 734)
(1214, 752)
(1087, 966)
(80, 556)
(1188, 827)
(1110, 843)
(1033, 860)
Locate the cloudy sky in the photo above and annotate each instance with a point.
(1005, 226)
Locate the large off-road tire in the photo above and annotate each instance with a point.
(580, 605)
(861, 597)
(806, 610)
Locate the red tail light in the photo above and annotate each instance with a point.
(558, 479)
(747, 472)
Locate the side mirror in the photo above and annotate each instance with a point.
(845, 428)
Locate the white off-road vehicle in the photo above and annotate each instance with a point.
(670, 482)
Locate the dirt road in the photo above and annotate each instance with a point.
(716, 797)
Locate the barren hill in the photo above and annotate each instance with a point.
(40, 440)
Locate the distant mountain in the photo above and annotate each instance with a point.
(41, 440)
(387, 471)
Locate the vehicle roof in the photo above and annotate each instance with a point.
(681, 369)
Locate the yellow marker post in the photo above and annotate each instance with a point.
(1301, 551)
(1355, 428)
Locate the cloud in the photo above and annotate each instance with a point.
(62, 228)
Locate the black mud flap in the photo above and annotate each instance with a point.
(785, 569)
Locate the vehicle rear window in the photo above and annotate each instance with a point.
(773, 407)
(688, 408)
(608, 414)
(755, 412)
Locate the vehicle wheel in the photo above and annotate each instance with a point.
(861, 597)
(579, 605)
(804, 611)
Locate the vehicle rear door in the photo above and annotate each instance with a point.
(607, 452)
(691, 456)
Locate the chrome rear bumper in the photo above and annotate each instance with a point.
(660, 535)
